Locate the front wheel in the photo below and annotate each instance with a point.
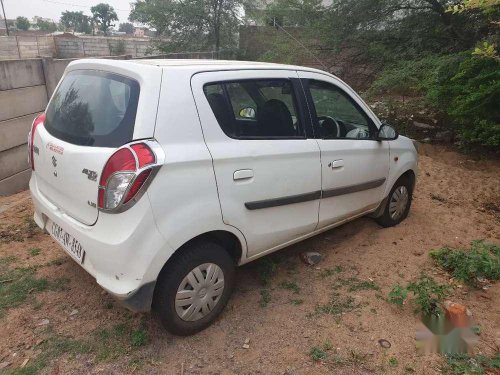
(398, 203)
(194, 288)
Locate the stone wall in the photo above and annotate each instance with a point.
(25, 47)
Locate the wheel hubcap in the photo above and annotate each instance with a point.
(199, 292)
(399, 201)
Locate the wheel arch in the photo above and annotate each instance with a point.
(226, 239)
(410, 175)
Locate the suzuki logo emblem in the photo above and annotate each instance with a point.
(54, 161)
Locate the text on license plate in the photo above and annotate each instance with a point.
(69, 242)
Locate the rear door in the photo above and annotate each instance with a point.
(91, 113)
(266, 165)
(354, 165)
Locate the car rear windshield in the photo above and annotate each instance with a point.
(93, 108)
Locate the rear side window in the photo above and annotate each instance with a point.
(93, 108)
(255, 109)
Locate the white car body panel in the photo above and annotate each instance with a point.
(194, 191)
(362, 161)
(278, 168)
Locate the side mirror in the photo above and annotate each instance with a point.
(247, 113)
(387, 133)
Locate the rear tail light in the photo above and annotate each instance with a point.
(125, 173)
(31, 137)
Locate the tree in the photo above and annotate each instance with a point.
(46, 25)
(388, 30)
(22, 23)
(191, 24)
(103, 16)
(297, 13)
(126, 27)
(76, 21)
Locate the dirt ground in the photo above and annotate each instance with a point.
(72, 327)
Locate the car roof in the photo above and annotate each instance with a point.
(196, 65)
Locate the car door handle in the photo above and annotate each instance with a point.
(336, 164)
(242, 174)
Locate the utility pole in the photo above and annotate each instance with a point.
(5, 18)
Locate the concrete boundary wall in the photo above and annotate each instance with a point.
(23, 95)
(25, 47)
(25, 88)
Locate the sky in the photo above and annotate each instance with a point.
(53, 8)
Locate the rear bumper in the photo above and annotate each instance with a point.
(121, 250)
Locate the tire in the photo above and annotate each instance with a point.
(388, 217)
(192, 262)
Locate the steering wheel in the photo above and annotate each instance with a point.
(358, 133)
(330, 128)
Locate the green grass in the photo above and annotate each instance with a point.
(265, 298)
(56, 262)
(327, 272)
(34, 251)
(428, 294)
(139, 338)
(393, 362)
(296, 302)
(458, 364)
(52, 348)
(481, 261)
(266, 270)
(336, 306)
(117, 341)
(354, 284)
(317, 354)
(17, 284)
(106, 344)
(291, 285)
(6, 261)
(397, 295)
(20, 284)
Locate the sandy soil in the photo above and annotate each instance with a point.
(457, 200)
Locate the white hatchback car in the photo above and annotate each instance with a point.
(160, 176)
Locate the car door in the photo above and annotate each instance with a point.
(267, 168)
(354, 165)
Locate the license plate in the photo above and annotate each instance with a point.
(68, 242)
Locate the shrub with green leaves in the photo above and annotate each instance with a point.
(463, 87)
(427, 292)
(466, 364)
(317, 354)
(482, 260)
(398, 295)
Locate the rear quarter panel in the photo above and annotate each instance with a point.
(184, 194)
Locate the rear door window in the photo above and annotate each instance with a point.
(93, 108)
(255, 109)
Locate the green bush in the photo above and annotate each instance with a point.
(398, 295)
(428, 294)
(482, 260)
(465, 364)
(473, 94)
(463, 87)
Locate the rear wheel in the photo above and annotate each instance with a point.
(398, 203)
(194, 288)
